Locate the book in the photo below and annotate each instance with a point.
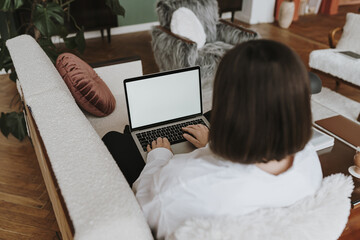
(341, 128)
(321, 140)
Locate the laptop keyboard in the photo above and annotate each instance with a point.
(173, 133)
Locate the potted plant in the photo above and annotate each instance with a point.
(43, 20)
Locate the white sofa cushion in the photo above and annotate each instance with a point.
(336, 64)
(113, 76)
(185, 23)
(350, 38)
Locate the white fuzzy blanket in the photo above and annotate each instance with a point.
(320, 217)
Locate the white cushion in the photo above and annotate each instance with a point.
(350, 39)
(114, 76)
(336, 64)
(186, 24)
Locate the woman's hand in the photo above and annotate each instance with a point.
(200, 135)
(160, 142)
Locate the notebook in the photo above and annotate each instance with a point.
(160, 104)
(341, 128)
(321, 140)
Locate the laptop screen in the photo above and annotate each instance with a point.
(163, 97)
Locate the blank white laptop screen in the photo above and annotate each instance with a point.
(162, 98)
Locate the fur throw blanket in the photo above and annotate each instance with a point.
(321, 217)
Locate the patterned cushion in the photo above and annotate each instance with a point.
(88, 89)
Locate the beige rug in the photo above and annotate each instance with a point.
(328, 103)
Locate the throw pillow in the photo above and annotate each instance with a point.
(186, 24)
(89, 90)
(350, 37)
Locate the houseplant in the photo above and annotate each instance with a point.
(43, 20)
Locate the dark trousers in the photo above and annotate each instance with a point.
(123, 149)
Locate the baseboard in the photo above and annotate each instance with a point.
(123, 30)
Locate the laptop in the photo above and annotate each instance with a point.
(160, 104)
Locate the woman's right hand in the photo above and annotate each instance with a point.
(199, 135)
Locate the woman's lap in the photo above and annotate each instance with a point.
(125, 153)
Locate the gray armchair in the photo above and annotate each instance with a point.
(172, 51)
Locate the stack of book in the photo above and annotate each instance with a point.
(341, 128)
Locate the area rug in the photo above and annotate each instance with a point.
(328, 103)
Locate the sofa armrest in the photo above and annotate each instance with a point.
(172, 51)
(98, 199)
(331, 36)
(234, 34)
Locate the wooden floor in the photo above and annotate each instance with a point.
(25, 209)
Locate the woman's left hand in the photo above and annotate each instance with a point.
(159, 143)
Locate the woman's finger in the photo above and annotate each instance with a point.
(191, 139)
(166, 143)
(159, 142)
(192, 130)
(153, 144)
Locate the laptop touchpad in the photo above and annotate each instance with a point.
(183, 147)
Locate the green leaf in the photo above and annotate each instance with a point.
(49, 48)
(14, 123)
(10, 5)
(3, 126)
(5, 59)
(76, 42)
(70, 42)
(47, 18)
(80, 41)
(115, 7)
(63, 32)
(13, 75)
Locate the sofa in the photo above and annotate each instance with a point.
(340, 67)
(89, 194)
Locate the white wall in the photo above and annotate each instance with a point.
(256, 11)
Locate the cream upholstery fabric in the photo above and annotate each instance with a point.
(99, 200)
(350, 38)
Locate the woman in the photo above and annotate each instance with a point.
(256, 154)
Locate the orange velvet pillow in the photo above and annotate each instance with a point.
(88, 89)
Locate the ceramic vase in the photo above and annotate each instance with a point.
(286, 13)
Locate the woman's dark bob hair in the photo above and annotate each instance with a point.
(261, 103)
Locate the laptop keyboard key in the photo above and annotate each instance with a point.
(173, 133)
